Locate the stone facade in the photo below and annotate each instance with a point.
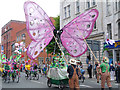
(109, 13)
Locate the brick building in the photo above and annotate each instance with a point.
(15, 31)
(8, 37)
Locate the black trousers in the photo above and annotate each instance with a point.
(118, 76)
(90, 73)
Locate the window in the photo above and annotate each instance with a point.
(117, 55)
(4, 37)
(119, 5)
(108, 7)
(68, 10)
(93, 2)
(7, 37)
(95, 25)
(119, 30)
(17, 38)
(109, 31)
(116, 6)
(40, 60)
(47, 59)
(88, 4)
(77, 7)
(65, 12)
(13, 47)
(23, 36)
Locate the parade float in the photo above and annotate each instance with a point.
(73, 37)
(14, 61)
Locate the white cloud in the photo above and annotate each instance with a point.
(13, 10)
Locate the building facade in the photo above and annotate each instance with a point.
(8, 36)
(15, 32)
(108, 21)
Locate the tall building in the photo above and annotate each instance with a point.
(15, 32)
(8, 37)
(108, 21)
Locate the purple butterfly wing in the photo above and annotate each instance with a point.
(73, 32)
(35, 47)
(39, 27)
(37, 21)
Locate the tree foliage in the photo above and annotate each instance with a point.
(52, 46)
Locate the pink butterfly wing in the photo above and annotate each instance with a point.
(73, 32)
(37, 21)
(39, 27)
(36, 47)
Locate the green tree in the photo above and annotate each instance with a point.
(57, 22)
(52, 46)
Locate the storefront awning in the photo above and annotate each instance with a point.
(115, 45)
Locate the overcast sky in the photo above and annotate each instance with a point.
(13, 10)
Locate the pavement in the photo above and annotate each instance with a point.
(42, 83)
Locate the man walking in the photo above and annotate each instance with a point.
(90, 70)
(73, 75)
(105, 75)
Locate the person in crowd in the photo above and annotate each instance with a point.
(112, 71)
(88, 59)
(73, 75)
(89, 70)
(14, 68)
(96, 64)
(21, 66)
(27, 68)
(82, 71)
(1, 69)
(6, 68)
(98, 72)
(35, 68)
(105, 75)
(118, 71)
(18, 66)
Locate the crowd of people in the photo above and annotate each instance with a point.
(103, 71)
(114, 70)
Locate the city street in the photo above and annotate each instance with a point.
(42, 83)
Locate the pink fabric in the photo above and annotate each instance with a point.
(39, 27)
(72, 37)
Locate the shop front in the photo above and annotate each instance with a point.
(113, 52)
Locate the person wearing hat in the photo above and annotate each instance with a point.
(105, 75)
(73, 75)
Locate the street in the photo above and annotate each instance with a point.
(42, 83)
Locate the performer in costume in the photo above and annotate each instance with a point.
(98, 72)
(27, 68)
(73, 75)
(105, 75)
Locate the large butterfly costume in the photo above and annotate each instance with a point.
(40, 29)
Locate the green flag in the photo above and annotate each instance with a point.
(18, 57)
(10, 58)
